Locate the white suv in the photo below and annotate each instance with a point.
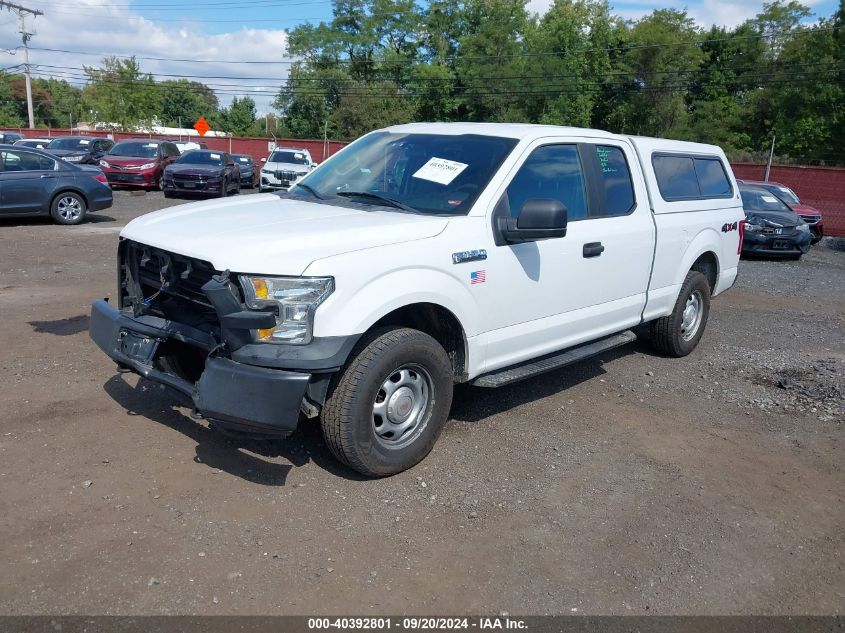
(419, 257)
(283, 168)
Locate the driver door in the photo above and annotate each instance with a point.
(543, 296)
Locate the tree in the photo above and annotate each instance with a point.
(183, 102)
(119, 94)
(239, 118)
(367, 106)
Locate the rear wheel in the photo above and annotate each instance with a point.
(68, 208)
(679, 333)
(224, 188)
(386, 408)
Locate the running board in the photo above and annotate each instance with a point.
(531, 368)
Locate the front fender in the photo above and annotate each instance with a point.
(355, 310)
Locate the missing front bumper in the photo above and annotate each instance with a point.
(239, 396)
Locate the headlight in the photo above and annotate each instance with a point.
(803, 227)
(104, 164)
(266, 171)
(296, 299)
(752, 228)
(148, 165)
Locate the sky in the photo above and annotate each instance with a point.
(212, 38)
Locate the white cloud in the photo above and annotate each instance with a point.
(98, 26)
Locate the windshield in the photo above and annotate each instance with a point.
(135, 149)
(784, 193)
(69, 143)
(432, 173)
(199, 157)
(761, 200)
(288, 156)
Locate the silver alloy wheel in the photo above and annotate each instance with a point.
(691, 318)
(69, 208)
(402, 406)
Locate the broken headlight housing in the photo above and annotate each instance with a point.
(295, 300)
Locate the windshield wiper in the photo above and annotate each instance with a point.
(380, 198)
(310, 190)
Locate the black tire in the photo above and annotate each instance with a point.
(160, 182)
(667, 334)
(68, 208)
(350, 424)
(169, 194)
(224, 188)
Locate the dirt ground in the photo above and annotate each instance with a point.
(630, 484)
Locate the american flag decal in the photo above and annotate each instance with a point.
(478, 277)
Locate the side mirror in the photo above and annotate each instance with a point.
(539, 219)
(263, 160)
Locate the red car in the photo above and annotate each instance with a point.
(138, 162)
(810, 215)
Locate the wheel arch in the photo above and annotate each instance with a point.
(68, 189)
(438, 322)
(702, 255)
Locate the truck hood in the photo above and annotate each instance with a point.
(263, 233)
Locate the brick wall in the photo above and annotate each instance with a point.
(256, 147)
(819, 187)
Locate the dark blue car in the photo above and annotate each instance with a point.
(34, 183)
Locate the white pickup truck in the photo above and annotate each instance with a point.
(418, 257)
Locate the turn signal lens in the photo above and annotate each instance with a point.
(266, 335)
(261, 292)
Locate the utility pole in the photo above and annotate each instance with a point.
(769, 163)
(25, 37)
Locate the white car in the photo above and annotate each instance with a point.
(416, 258)
(37, 143)
(188, 146)
(283, 168)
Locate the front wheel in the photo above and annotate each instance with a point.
(679, 333)
(386, 408)
(68, 208)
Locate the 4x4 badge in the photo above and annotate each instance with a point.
(469, 256)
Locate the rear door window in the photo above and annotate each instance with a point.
(616, 180)
(24, 161)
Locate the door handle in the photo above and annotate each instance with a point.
(593, 249)
(48, 176)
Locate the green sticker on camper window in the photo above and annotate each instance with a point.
(604, 159)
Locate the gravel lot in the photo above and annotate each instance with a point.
(629, 484)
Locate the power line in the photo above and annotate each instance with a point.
(25, 37)
(459, 57)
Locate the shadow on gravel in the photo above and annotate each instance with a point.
(474, 404)
(239, 457)
(91, 218)
(62, 327)
(836, 244)
(94, 218)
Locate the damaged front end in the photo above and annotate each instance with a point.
(179, 322)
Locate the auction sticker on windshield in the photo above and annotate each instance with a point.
(440, 170)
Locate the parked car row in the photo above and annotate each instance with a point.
(36, 183)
